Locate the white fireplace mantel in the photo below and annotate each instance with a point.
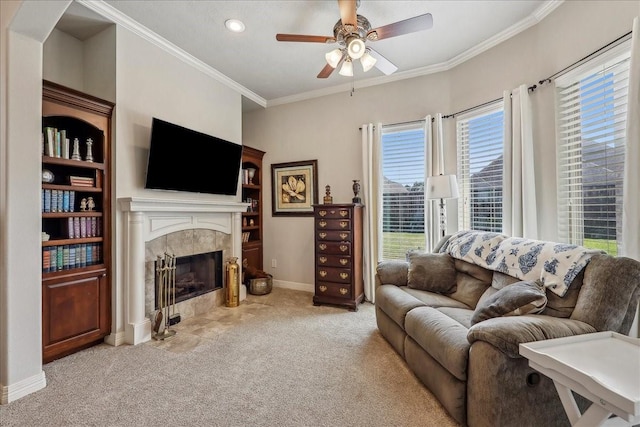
(146, 219)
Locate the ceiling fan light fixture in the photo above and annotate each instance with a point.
(347, 68)
(234, 25)
(355, 48)
(333, 58)
(367, 61)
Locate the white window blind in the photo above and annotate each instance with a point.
(480, 168)
(592, 110)
(403, 168)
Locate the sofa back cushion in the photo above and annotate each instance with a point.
(431, 272)
(471, 282)
(563, 306)
(609, 296)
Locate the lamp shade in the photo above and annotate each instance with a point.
(355, 48)
(367, 61)
(442, 187)
(333, 58)
(347, 68)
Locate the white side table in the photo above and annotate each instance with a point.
(604, 367)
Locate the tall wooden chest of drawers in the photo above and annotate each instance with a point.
(338, 255)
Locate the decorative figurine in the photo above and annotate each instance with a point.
(76, 150)
(83, 204)
(251, 222)
(327, 198)
(91, 205)
(244, 222)
(356, 190)
(89, 157)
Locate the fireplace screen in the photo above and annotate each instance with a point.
(196, 275)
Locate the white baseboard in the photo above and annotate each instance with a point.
(306, 287)
(115, 339)
(22, 388)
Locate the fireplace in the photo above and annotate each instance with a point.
(195, 275)
(180, 227)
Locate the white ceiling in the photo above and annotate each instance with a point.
(277, 71)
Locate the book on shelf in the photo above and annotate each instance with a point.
(46, 204)
(49, 137)
(81, 181)
(46, 260)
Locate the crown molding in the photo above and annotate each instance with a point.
(540, 13)
(117, 17)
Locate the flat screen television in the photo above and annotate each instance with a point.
(182, 159)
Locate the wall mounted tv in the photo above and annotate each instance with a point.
(182, 159)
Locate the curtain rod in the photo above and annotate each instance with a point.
(402, 123)
(471, 108)
(620, 39)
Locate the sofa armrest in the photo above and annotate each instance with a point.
(506, 333)
(392, 273)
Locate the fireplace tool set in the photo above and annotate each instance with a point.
(166, 279)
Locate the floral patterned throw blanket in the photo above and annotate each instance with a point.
(553, 264)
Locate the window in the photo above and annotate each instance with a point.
(480, 172)
(591, 123)
(403, 168)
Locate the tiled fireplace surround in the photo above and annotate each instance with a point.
(180, 227)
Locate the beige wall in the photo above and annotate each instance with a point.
(327, 128)
(153, 83)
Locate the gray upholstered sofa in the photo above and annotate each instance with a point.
(471, 362)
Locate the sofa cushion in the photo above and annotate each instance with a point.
(562, 306)
(507, 333)
(442, 337)
(395, 302)
(431, 272)
(460, 315)
(519, 298)
(433, 299)
(471, 282)
(392, 273)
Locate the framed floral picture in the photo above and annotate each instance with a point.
(295, 188)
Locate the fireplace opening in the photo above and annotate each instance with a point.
(195, 275)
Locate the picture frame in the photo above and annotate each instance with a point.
(294, 188)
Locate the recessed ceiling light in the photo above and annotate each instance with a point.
(234, 25)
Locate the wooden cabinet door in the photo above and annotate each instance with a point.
(76, 313)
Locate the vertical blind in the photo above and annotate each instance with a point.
(403, 168)
(480, 139)
(592, 109)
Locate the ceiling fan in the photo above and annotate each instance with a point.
(351, 32)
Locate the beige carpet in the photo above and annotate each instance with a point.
(274, 361)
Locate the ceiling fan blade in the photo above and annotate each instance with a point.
(382, 63)
(326, 72)
(304, 38)
(328, 69)
(348, 13)
(411, 25)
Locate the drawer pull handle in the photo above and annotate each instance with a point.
(344, 276)
(323, 259)
(344, 261)
(343, 236)
(322, 224)
(344, 291)
(322, 213)
(344, 248)
(322, 246)
(344, 213)
(322, 235)
(322, 288)
(323, 273)
(344, 224)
